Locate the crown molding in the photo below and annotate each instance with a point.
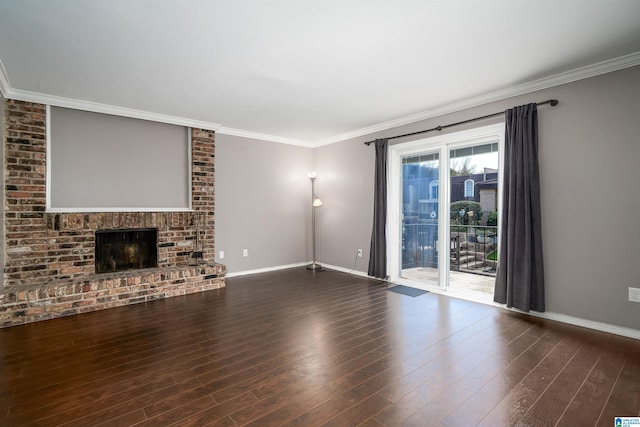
(581, 73)
(5, 87)
(59, 101)
(263, 137)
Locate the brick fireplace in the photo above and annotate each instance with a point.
(126, 249)
(50, 263)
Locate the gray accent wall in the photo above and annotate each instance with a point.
(263, 203)
(99, 161)
(590, 171)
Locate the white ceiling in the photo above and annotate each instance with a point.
(301, 71)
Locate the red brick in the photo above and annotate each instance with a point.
(18, 195)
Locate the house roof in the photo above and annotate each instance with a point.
(490, 183)
(306, 72)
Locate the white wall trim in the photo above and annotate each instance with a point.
(47, 161)
(5, 87)
(266, 269)
(585, 323)
(94, 107)
(498, 95)
(299, 264)
(263, 136)
(347, 270)
(116, 209)
(592, 70)
(190, 157)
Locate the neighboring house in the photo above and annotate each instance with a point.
(488, 190)
(421, 190)
(467, 187)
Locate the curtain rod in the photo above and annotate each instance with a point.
(552, 102)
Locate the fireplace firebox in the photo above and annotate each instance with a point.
(118, 250)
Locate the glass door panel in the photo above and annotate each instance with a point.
(473, 215)
(420, 201)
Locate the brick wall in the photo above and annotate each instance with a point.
(49, 260)
(2, 246)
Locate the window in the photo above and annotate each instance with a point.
(469, 186)
(433, 189)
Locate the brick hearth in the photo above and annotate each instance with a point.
(49, 262)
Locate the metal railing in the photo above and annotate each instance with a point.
(419, 245)
(473, 248)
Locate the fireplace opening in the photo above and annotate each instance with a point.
(118, 250)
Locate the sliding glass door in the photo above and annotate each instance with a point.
(473, 215)
(444, 196)
(420, 206)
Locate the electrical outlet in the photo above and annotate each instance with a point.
(634, 294)
(359, 253)
(245, 252)
(221, 255)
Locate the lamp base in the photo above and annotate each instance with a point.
(315, 267)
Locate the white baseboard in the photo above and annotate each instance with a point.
(346, 270)
(558, 317)
(266, 269)
(586, 323)
(299, 264)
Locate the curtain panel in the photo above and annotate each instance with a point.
(378, 251)
(520, 272)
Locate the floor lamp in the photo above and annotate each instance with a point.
(315, 203)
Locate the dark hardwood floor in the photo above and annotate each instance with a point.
(299, 348)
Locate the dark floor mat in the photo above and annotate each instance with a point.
(407, 290)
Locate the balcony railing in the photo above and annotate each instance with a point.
(473, 248)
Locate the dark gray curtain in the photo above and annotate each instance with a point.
(378, 252)
(519, 279)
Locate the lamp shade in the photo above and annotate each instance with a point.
(317, 202)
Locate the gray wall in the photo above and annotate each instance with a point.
(2, 237)
(590, 167)
(104, 161)
(345, 185)
(263, 199)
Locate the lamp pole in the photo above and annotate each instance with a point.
(315, 203)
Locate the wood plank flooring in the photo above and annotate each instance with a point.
(299, 348)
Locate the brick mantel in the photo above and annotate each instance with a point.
(45, 250)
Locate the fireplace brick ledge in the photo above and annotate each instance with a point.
(25, 304)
